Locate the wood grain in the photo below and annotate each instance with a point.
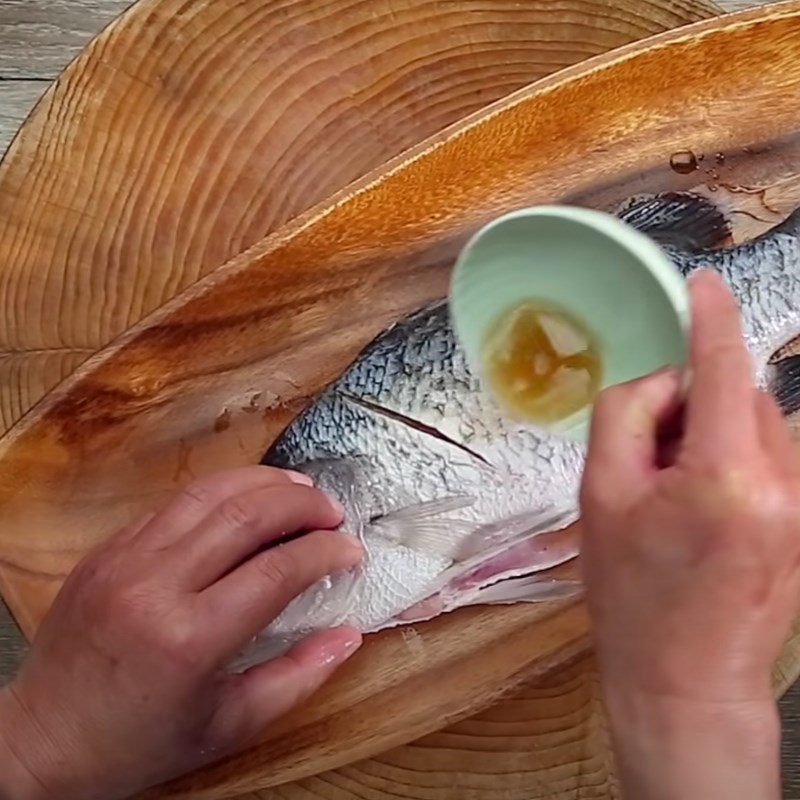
(140, 417)
(584, 30)
(549, 741)
(64, 34)
(188, 131)
(504, 743)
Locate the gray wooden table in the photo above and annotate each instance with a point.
(37, 39)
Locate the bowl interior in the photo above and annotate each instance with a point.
(607, 275)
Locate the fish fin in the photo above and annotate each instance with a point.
(683, 220)
(422, 528)
(534, 554)
(511, 530)
(785, 384)
(525, 589)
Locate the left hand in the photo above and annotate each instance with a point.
(126, 686)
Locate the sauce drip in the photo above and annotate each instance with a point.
(684, 162)
(542, 364)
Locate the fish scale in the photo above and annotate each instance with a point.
(457, 504)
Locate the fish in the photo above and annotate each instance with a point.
(763, 274)
(455, 503)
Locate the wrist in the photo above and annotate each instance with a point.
(17, 781)
(672, 748)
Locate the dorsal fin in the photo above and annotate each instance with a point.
(785, 384)
(682, 220)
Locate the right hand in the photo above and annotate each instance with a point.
(692, 558)
(125, 685)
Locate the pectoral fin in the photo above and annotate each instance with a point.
(425, 528)
(429, 527)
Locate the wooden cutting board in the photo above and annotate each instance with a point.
(145, 414)
(187, 131)
(549, 741)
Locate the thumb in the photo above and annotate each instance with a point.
(268, 691)
(623, 443)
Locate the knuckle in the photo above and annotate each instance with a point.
(238, 512)
(742, 499)
(197, 495)
(733, 490)
(178, 636)
(277, 567)
(178, 642)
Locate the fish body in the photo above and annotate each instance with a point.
(763, 274)
(457, 504)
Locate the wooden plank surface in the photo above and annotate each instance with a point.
(37, 39)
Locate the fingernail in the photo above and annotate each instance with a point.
(299, 477)
(704, 275)
(351, 642)
(356, 548)
(698, 275)
(340, 650)
(336, 506)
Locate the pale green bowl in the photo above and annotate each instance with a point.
(617, 281)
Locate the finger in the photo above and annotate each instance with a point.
(245, 601)
(245, 523)
(774, 430)
(200, 498)
(623, 444)
(270, 690)
(720, 411)
(130, 532)
(122, 537)
(670, 437)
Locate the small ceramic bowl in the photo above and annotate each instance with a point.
(599, 270)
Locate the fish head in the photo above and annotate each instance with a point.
(352, 481)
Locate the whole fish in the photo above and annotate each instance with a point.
(457, 504)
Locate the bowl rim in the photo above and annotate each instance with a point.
(644, 250)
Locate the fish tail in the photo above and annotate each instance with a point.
(681, 220)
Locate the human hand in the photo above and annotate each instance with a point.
(692, 565)
(125, 685)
